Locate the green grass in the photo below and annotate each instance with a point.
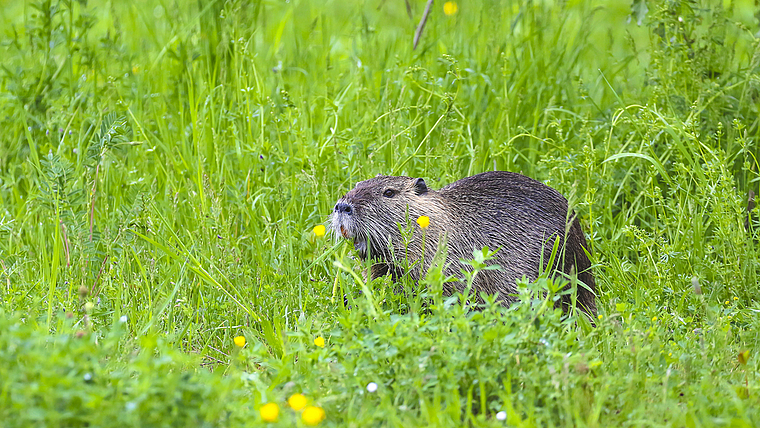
(166, 162)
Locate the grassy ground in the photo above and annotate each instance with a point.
(163, 164)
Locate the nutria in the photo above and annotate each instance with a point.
(517, 215)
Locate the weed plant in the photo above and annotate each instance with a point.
(163, 166)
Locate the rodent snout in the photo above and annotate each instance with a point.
(342, 207)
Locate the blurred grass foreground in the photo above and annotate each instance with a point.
(165, 168)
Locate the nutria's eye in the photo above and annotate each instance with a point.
(389, 193)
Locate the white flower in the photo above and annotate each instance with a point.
(123, 319)
(371, 387)
(501, 415)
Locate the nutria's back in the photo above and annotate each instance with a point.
(517, 215)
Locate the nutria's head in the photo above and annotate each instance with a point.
(370, 213)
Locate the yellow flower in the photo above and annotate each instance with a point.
(135, 69)
(269, 412)
(313, 415)
(654, 319)
(450, 8)
(319, 230)
(423, 221)
(297, 402)
(320, 341)
(600, 316)
(727, 302)
(736, 298)
(239, 341)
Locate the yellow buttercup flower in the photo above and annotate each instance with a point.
(423, 221)
(320, 230)
(269, 412)
(450, 8)
(320, 341)
(313, 415)
(239, 341)
(297, 402)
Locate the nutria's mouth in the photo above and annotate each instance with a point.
(345, 228)
(361, 247)
(359, 241)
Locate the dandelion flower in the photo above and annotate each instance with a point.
(297, 402)
(320, 341)
(423, 221)
(319, 230)
(269, 412)
(654, 318)
(239, 341)
(736, 298)
(313, 415)
(501, 415)
(600, 316)
(450, 8)
(371, 387)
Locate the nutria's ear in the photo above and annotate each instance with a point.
(419, 186)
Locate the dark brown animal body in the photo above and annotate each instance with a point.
(517, 215)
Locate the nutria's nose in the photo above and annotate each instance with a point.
(342, 207)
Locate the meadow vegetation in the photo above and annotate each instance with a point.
(163, 165)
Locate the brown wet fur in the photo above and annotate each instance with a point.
(516, 214)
